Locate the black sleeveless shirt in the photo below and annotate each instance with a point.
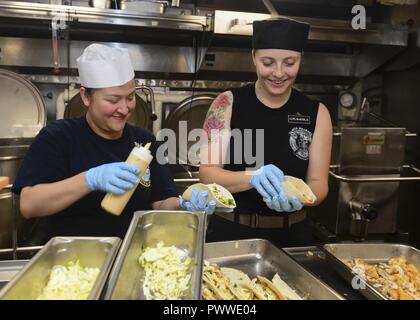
(287, 133)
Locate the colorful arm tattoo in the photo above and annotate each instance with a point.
(215, 119)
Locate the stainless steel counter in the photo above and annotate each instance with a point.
(312, 258)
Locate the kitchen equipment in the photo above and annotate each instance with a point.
(12, 152)
(188, 115)
(23, 109)
(54, 39)
(101, 4)
(185, 178)
(143, 6)
(6, 218)
(13, 227)
(260, 257)
(9, 268)
(364, 184)
(370, 253)
(4, 181)
(63, 99)
(97, 252)
(182, 229)
(150, 99)
(314, 260)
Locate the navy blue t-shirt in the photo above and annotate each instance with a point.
(68, 147)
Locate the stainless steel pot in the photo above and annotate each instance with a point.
(22, 105)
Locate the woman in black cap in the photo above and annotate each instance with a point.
(297, 138)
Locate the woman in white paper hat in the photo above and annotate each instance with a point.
(72, 163)
(296, 141)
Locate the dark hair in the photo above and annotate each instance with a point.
(89, 92)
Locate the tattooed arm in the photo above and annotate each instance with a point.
(214, 147)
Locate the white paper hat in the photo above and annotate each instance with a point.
(101, 66)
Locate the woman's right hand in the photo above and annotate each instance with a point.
(116, 177)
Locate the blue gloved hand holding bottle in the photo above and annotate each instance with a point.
(116, 177)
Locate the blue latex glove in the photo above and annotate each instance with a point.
(268, 181)
(280, 203)
(116, 177)
(198, 202)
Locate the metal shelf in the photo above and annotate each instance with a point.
(109, 17)
(240, 23)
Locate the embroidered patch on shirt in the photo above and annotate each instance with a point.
(298, 119)
(145, 179)
(299, 140)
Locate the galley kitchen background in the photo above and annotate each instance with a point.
(185, 52)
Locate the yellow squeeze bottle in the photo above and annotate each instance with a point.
(141, 157)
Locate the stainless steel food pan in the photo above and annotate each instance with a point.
(260, 257)
(370, 253)
(182, 229)
(95, 252)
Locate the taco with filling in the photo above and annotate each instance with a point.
(216, 282)
(207, 293)
(262, 291)
(237, 283)
(297, 187)
(272, 287)
(221, 195)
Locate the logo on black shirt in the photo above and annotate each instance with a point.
(299, 140)
(298, 119)
(145, 180)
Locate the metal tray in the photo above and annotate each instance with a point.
(183, 229)
(260, 257)
(9, 268)
(98, 252)
(371, 253)
(314, 260)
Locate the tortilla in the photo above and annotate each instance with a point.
(215, 280)
(297, 187)
(237, 283)
(269, 284)
(285, 290)
(221, 195)
(210, 286)
(261, 291)
(222, 283)
(207, 293)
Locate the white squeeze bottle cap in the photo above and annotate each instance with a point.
(142, 152)
(139, 156)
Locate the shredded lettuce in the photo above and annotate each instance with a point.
(71, 282)
(167, 273)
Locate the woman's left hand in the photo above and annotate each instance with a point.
(198, 202)
(281, 203)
